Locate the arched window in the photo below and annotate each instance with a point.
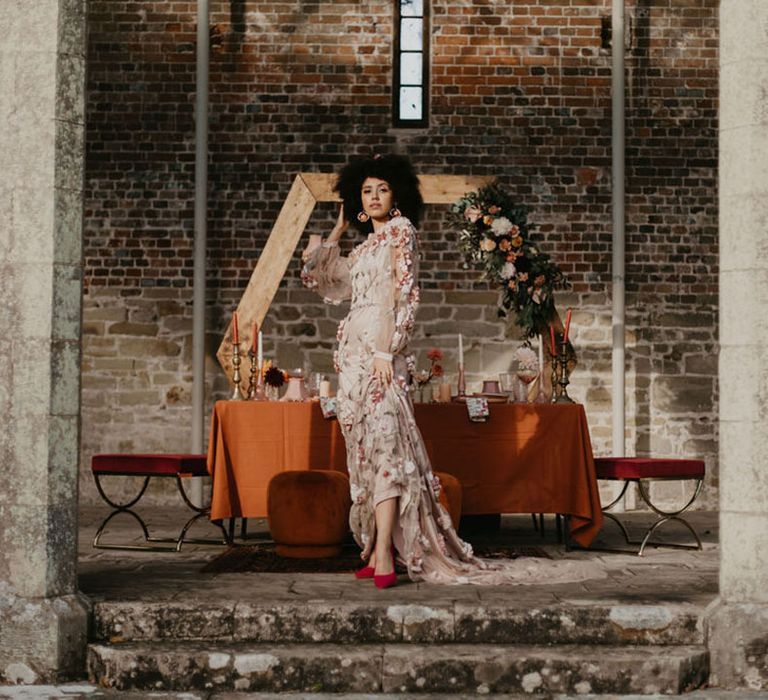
(410, 98)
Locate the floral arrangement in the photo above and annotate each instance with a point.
(273, 375)
(424, 376)
(494, 237)
(527, 358)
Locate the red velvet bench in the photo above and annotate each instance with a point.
(169, 466)
(640, 469)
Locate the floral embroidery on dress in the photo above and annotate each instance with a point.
(386, 456)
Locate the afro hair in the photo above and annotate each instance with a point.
(397, 171)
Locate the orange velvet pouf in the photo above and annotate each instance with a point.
(450, 496)
(308, 512)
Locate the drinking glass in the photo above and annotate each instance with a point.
(508, 382)
(526, 376)
(315, 380)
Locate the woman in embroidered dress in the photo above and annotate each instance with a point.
(395, 504)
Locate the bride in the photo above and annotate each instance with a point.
(395, 495)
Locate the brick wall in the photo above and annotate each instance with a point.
(520, 90)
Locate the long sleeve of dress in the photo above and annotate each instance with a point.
(401, 290)
(327, 271)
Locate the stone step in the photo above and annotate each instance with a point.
(397, 668)
(364, 622)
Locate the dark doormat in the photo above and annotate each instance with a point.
(261, 558)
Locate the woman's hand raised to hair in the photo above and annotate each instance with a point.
(342, 224)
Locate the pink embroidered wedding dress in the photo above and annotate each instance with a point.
(386, 457)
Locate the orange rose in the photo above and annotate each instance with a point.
(494, 209)
(511, 257)
(512, 284)
(504, 244)
(487, 245)
(517, 241)
(487, 220)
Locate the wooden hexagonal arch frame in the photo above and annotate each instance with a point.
(307, 190)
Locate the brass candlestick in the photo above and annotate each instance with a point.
(563, 380)
(237, 393)
(555, 363)
(255, 380)
(462, 389)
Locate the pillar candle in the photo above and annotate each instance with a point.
(541, 353)
(325, 388)
(445, 392)
(235, 333)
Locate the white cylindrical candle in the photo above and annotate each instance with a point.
(325, 388)
(445, 392)
(541, 353)
(461, 350)
(260, 352)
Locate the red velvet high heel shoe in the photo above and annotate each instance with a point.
(385, 580)
(365, 572)
(370, 571)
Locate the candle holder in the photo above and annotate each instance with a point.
(563, 375)
(237, 393)
(555, 363)
(255, 380)
(462, 388)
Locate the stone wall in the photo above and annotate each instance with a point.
(519, 90)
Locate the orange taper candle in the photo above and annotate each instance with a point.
(235, 333)
(567, 325)
(553, 345)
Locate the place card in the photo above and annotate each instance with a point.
(328, 406)
(477, 408)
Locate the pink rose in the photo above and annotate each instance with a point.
(473, 213)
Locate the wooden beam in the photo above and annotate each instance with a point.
(306, 191)
(270, 269)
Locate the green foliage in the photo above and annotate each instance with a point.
(494, 237)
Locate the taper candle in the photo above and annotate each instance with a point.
(254, 338)
(260, 351)
(461, 350)
(552, 344)
(235, 332)
(567, 325)
(541, 354)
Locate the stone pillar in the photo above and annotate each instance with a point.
(738, 630)
(43, 619)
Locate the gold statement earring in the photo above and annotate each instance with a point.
(362, 217)
(394, 212)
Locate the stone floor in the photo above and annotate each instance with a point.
(81, 691)
(662, 577)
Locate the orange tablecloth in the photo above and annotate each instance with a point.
(534, 458)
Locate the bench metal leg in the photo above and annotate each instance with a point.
(664, 518)
(155, 544)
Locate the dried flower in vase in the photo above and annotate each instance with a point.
(424, 376)
(527, 358)
(274, 376)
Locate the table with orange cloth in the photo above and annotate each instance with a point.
(526, 458)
